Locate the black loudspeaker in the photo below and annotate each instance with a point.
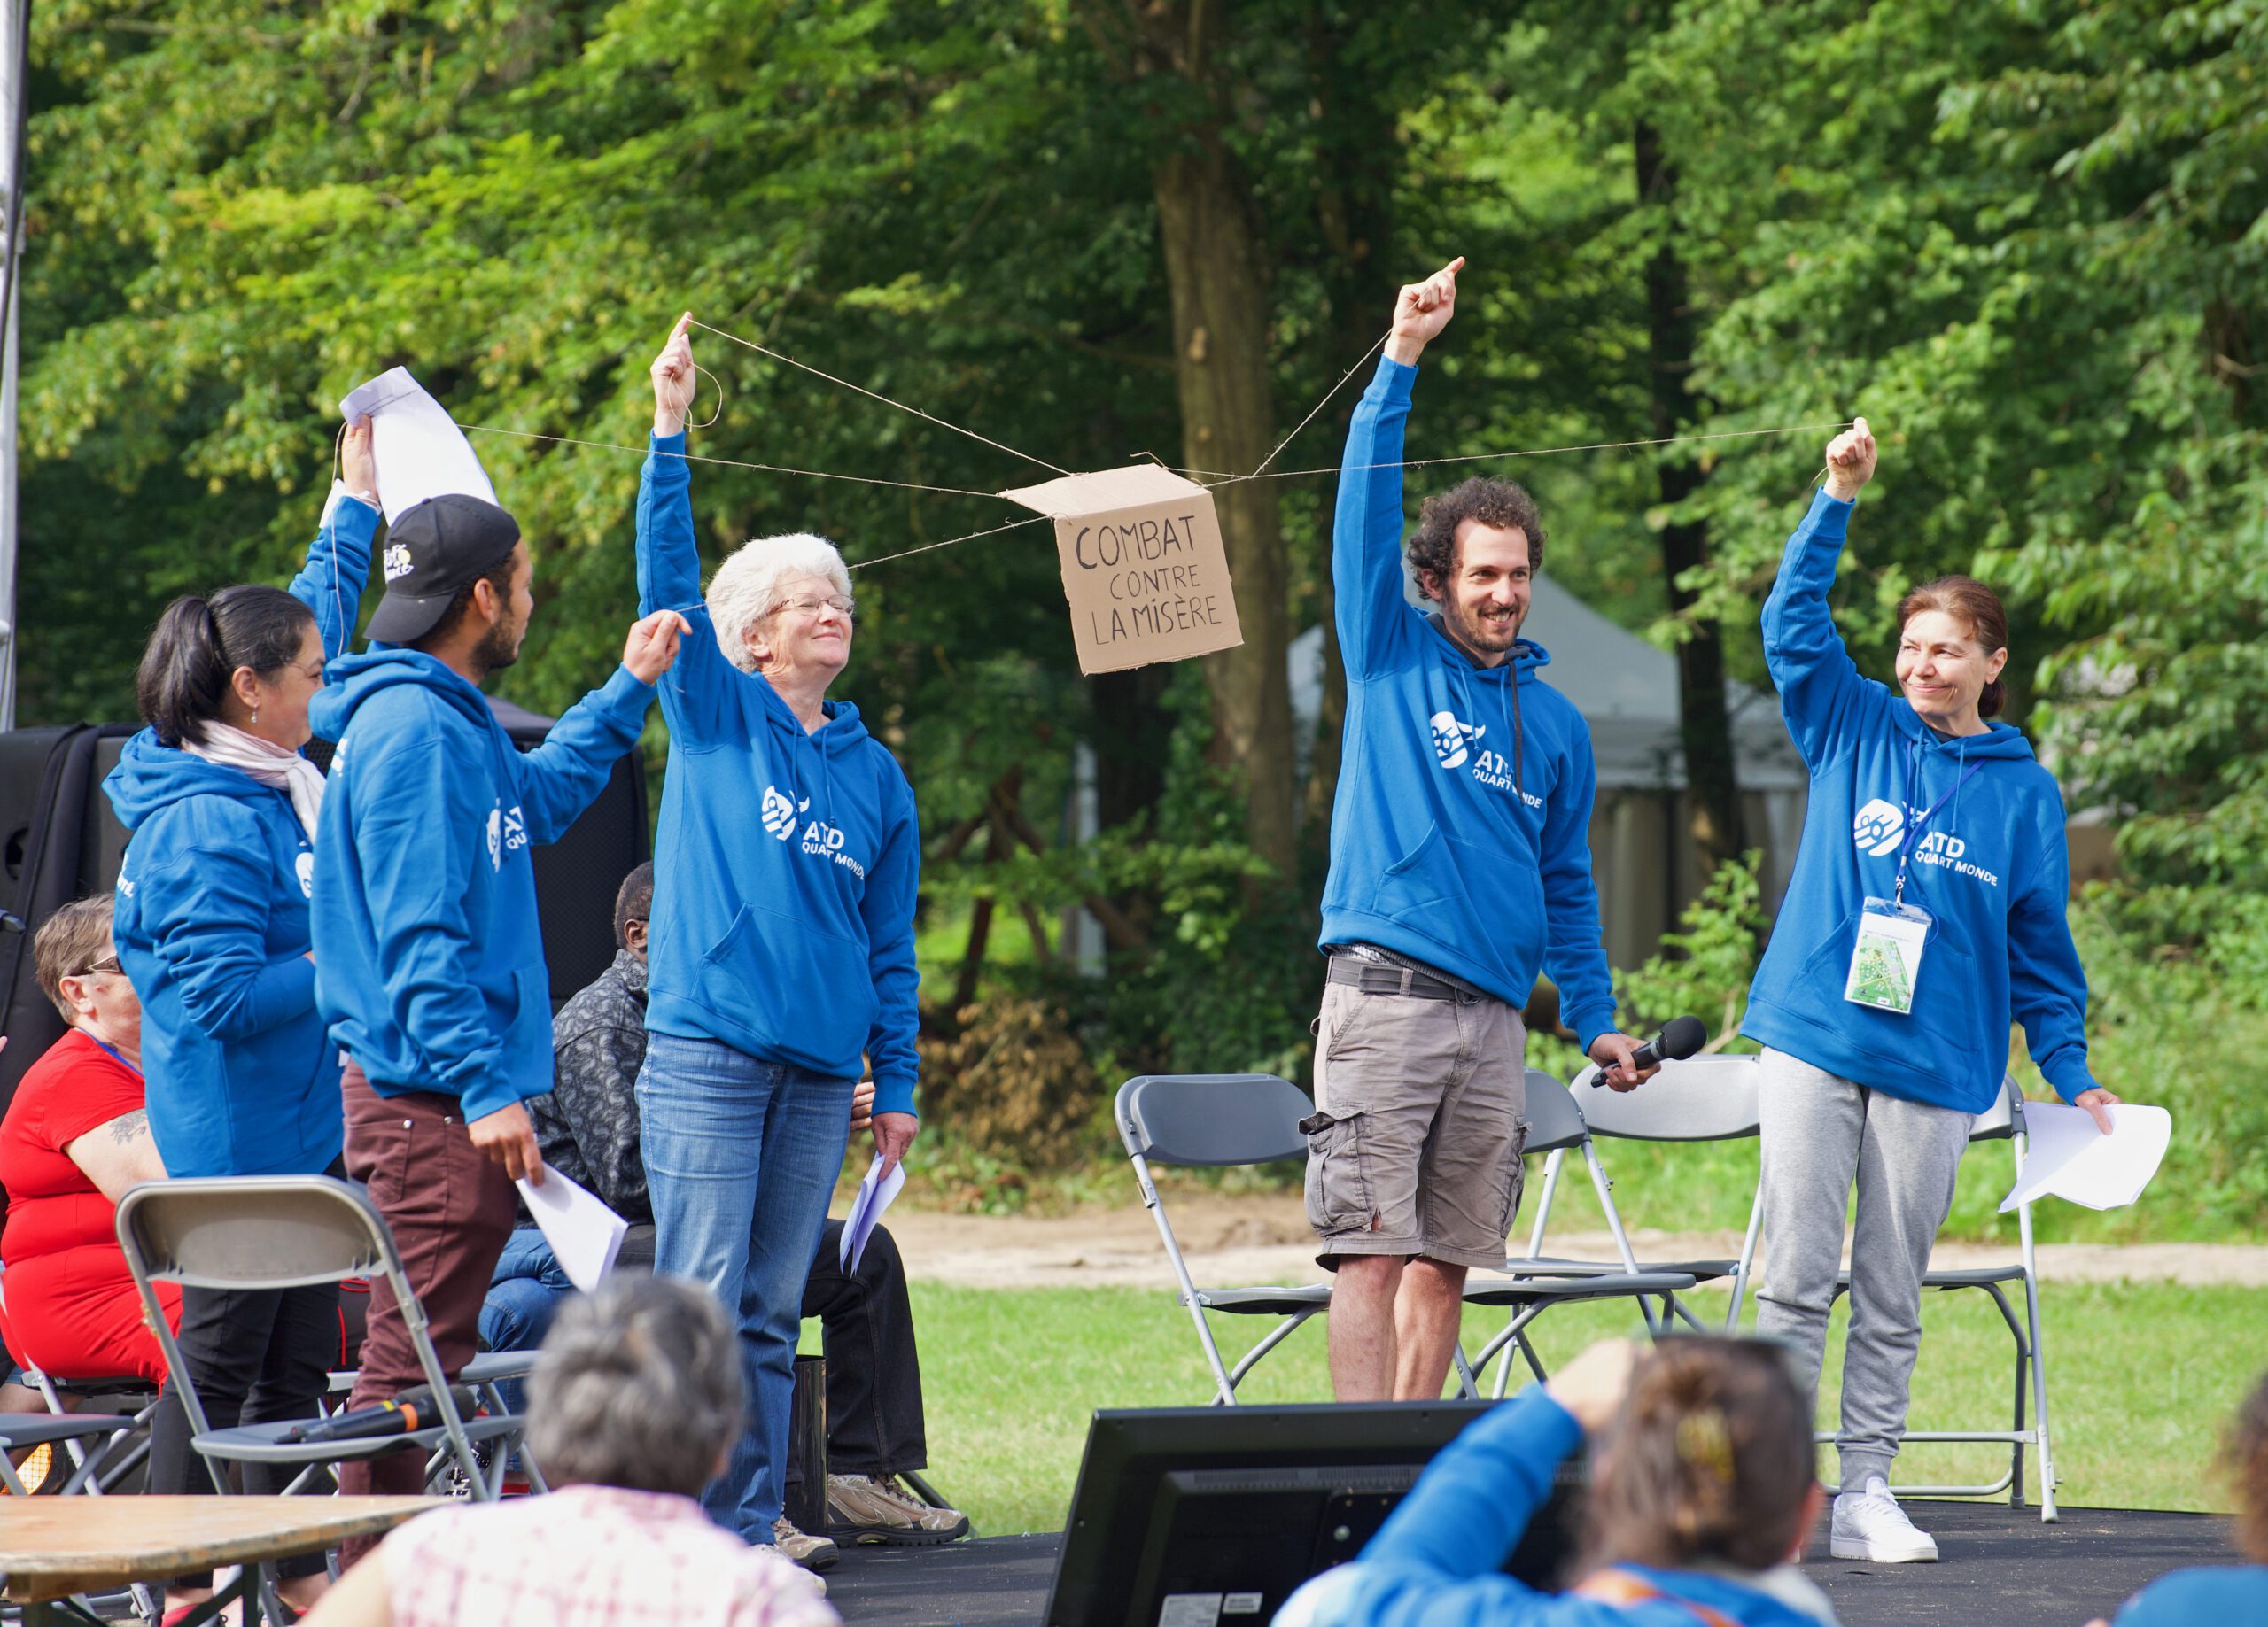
(49, 801)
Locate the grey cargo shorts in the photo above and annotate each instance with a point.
(1420, 1119)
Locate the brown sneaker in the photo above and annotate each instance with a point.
(875, 1508)
(811, 1552)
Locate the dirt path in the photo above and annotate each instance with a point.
(1265, 1239)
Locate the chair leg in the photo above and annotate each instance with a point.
(1283, 1330)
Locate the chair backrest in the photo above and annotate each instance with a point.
(253, 1231)
(1554, 1120)
(1212, 1117)
(2004, 1119)
(1702, 1098)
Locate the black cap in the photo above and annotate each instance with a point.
(432, 552)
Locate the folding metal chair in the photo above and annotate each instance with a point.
(1218, 1120)
(1532, 1283)
(287, 1231)
(1702, 1098)
(2004, 1121)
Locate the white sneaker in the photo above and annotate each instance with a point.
(1870, 1525)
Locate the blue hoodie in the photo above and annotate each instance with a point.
(211, 930)
(1990, 866)
(429, 956)
(1435, 1561)
(1460, 836)
(785, 870)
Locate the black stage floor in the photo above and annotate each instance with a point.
(2001, 1566)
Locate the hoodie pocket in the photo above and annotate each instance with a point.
(1468, 900)
(791, 982)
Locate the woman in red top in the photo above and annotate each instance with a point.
(74, 1138)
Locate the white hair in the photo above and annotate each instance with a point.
(746, 587)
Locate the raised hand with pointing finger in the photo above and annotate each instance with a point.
(1850, 462)
(1422, 310)
(674, 379)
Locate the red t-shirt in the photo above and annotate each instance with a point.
(72, 1305)
(75, 1087)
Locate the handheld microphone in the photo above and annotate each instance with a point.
(386, 1418)
(1680, 1038)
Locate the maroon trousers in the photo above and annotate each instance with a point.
(451, 1209)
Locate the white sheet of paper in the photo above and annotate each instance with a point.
(582, 1231)
(874, 1195)
(2066, 1156)
(420, 450)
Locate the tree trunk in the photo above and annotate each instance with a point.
(1215, 270)
(1355, 175)
(1705, 727)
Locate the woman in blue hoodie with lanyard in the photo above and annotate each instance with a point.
(211, 930)
(781, 957)
(1926, 911)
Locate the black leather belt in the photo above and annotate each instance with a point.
(1374, 978)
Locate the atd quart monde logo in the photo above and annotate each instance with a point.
(1878, 827)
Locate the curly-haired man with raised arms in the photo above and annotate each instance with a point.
(1460, 867)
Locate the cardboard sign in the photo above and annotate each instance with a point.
(1143, 566)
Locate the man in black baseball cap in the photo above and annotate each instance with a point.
(433, 553)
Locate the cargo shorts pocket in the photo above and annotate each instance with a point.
(1338, 1191)
(1516, 1180)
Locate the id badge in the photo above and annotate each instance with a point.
(1886, 961)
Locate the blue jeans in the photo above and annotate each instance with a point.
(741, 1159)
(524, 1293)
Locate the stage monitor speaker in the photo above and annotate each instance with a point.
(1208, 1516)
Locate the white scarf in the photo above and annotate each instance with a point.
(278, 766)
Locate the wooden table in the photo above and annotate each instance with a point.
(53, 1547)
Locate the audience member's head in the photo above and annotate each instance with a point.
(2245, 1455)
(639, 1386)
(634, 905)
(1710, 1457)
(77, 968)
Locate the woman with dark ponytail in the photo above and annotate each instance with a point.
(212, 927)
(1701, 1495)
(1926, 913)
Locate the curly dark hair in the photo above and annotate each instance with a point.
(2244, 1455)
(1498, 503)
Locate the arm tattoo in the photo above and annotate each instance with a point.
(128, 1128)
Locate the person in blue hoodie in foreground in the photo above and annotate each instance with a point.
(1460, 867)
(1701, 1494)
(781, 959)
(1925, 912)
(429, 957)
(212, 929)
(2221, 1593)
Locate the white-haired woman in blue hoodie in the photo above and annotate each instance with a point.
(780, 962)
(1925, 914)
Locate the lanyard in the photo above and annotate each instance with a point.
(1921, 823)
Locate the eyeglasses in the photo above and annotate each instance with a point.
(804, 604)
(108, 962)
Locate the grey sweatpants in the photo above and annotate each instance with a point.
(1820, 1130)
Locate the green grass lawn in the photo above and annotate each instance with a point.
(2141, 1380)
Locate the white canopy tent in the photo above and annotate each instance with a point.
(1627, 690)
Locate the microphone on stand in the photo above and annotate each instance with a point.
(1680, 1038)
